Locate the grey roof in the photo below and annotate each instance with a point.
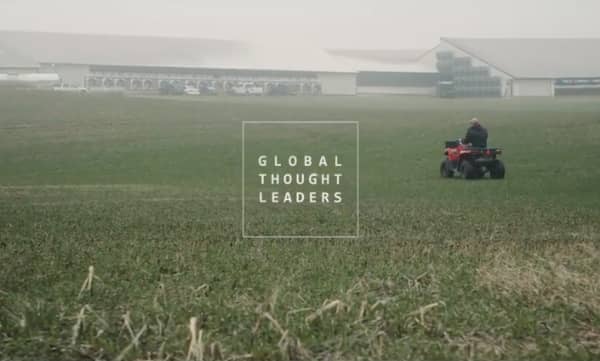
(536, 58)
(9, 58)
(166, 52)
(387, 56)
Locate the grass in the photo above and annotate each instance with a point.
(148, 192)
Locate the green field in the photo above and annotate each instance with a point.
(148, 192)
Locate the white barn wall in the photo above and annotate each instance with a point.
(70, 74)
(338, 83)
(533, 87)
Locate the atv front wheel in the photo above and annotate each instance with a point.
(446, 170)
(498, 170)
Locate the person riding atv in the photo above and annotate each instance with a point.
(470, 157)
(476, 135)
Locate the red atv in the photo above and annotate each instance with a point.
(471, 162)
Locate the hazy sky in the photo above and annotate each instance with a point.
(326, 23)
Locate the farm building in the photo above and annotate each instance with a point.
(145, 63)
(464, 67)
(140, 63)
(516, 67)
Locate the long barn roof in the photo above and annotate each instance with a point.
(536, 58)
(123, 50)
(10, 58)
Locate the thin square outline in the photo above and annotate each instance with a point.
(355, 122)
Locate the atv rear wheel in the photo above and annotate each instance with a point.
(446, 170)
(469, 171)
(498, 170)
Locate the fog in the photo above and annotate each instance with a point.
(384, 24)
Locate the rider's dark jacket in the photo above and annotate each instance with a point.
(477, 136)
